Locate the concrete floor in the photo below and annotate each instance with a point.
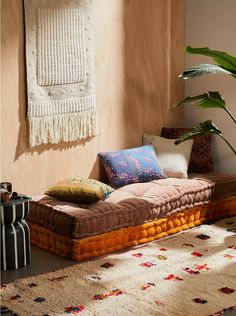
(43, 262)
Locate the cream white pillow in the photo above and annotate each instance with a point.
(173, 158)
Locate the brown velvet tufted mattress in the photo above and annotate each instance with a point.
(131, 205)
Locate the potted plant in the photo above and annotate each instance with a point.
(225, 64)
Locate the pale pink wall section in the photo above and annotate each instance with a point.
(139, 52)
(212, 23)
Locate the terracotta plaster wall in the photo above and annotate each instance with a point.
(220, 36)
(139, 53)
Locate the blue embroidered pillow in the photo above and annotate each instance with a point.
(133, 165)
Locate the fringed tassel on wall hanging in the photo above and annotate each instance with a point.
(60, 71)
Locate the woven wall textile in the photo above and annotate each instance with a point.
(60, 70)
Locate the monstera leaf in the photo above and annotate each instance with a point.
(226, 64)
(203, 69)
(223, 59)
(212, 99)
(203, 128)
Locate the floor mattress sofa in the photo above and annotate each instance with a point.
(133, 214)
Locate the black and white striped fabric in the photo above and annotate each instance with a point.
(15, 234)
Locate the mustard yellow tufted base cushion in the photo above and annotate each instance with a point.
(89, 247)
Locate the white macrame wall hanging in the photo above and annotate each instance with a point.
(60, 71)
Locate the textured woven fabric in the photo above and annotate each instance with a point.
(133, 204)
(132, 165)
(173, 159)
(80, 190)
(201, 155)
(60, 71)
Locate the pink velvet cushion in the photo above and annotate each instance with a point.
(201, 155)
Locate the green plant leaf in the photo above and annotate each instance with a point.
(223, 59)
(212, 99)
(203, 128)
(203, 69)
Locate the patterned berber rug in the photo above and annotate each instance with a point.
(193, 273)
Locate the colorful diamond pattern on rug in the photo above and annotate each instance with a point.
(74, 309)
(190, 271)
(229, 257)
(226, 290)
(107, 265)
(199, 300)
(137, 255)
(14, 297)
(147, 286)
(39, 299)
(166, 277)
(173, 277)
(188, 245)
(115, 292)
(196, 254)
(203, 237)
(147, 264)
(58, 279)
(160, 257)
(31, 285)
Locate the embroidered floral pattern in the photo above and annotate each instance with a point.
(132, 165)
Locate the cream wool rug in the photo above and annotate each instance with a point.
(193, 273)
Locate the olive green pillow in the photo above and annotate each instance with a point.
(80, 190)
